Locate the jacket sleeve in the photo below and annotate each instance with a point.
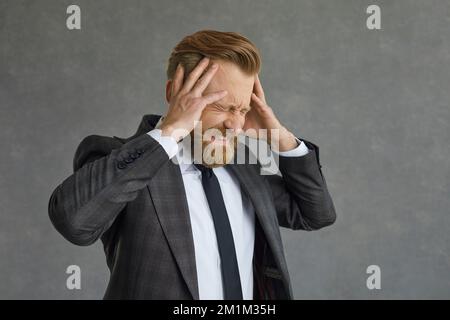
(300, 194)
(107, 175)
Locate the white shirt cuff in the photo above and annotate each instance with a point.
(299, 151)
(169, 144)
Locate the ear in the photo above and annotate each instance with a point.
(168, 90)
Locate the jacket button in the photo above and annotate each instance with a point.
(134, 155)
(121, 165)
(128, 160)
(139, 151)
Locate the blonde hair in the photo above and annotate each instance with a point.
(216, 45)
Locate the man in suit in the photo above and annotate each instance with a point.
(178, 226)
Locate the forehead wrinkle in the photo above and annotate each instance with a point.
(233, 102)
(238, 86)
(227, 105)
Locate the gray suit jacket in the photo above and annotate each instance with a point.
(128, 193)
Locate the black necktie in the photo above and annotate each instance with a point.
(229, 266)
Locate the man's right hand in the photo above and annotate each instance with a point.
(186, 100)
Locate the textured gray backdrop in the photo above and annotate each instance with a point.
(376, 103)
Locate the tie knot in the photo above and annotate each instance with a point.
(205, 170)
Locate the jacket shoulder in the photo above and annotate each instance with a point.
(94, 147)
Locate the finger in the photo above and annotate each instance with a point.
(203, 82)
(257, 88)
(177, 79)
(194, 75)
(215, 96)
(258, 103)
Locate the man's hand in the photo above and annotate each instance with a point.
(186, 100)
(261, 116)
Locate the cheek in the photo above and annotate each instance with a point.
(206, 118)
(212, 119)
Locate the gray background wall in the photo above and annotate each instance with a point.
(376, 102)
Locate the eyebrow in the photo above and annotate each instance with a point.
(234, 105)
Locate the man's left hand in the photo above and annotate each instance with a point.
(261, 116)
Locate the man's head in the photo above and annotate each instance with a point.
(238, 61)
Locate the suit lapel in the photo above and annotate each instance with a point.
(251, 183)
(169, 198)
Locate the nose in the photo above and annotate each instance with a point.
(234, 122)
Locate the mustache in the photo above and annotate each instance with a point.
(206, 137)
(224, 132)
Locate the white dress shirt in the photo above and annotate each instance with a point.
(241, 215)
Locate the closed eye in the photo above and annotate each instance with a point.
(243, 111)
